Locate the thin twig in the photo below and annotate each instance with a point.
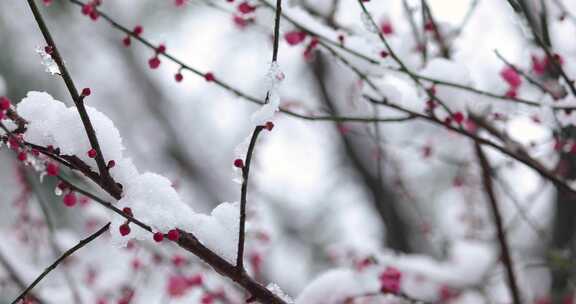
(243, 194)
(51, 230)
(527, 102)
(66, 254)
(504, 247)
(250, 152)
(104, 203)
(467, 17)
(521, 211)
(420, 41)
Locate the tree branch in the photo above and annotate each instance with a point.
(191, 244)
(250, 152)
(243, 194)
(504, 247)
(77, 98)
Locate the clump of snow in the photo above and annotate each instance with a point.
(124, 171)
(219, 231)
(399, 89)
(334, 286)
(48, 62)
(52, 123)
(154, 201)
(467, 264)
(391, 92)
(273, 79)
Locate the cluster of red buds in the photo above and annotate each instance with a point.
(90, 9)
(154, 62)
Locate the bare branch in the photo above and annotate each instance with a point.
(243, 194)
(504, 247)
(250, 152)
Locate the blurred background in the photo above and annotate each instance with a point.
(323, 194)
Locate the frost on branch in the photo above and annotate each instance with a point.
(150, 197)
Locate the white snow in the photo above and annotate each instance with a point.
(48, 62)
(52, 123)
(280, 293)
(273, 79)
(219, 231)
(155, 202)
(332, 287)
